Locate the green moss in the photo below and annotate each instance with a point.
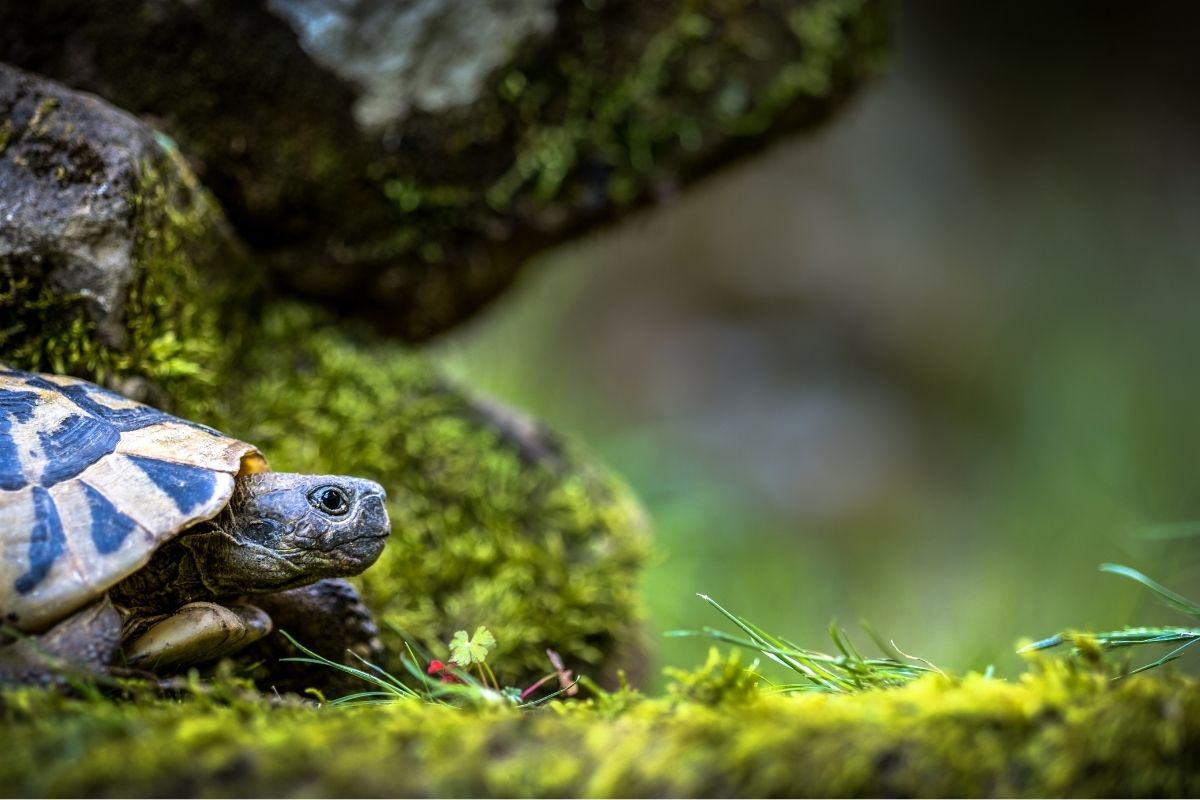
(181, 257)
(179, 311)
(612, 119)
(1056, 732)
(721, 679)
(707, 73)
(546, 551)
(7, 129)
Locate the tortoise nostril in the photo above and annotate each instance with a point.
(372, 489)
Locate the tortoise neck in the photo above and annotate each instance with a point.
(170, 579)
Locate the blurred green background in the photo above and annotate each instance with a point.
(928, 368)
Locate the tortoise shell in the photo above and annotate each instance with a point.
(91, 483)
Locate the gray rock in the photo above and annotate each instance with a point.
(401, 161)
(422, 55)
(69, 167)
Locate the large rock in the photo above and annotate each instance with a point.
(402, 160)
(70, 168)
(104, 235)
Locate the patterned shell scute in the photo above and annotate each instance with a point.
(91, 483)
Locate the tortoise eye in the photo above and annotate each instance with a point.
(329, 499)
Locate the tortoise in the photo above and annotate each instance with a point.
(132, 538)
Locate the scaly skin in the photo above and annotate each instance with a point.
(274, 535)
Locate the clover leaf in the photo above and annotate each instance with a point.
(464, 651)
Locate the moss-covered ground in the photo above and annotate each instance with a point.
(1059, 731)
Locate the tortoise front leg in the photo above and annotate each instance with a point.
(196, 633)
(329, 618)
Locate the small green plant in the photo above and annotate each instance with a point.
(821, 672)
(474, 650)
(1090, 645)
(441, 683)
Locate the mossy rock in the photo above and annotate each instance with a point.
(114, 261)
(496, 522)
(1057, 732)
(417, 219)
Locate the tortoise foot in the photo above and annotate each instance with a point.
(196, 633)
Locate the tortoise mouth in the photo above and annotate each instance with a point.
(351, 542)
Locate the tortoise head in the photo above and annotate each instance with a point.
(282, 530)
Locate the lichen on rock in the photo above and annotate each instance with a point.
(416, 56)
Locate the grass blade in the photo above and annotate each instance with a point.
(541, 700)
(394, 687)
(1131, 637)
(1170, 598)
(847, 672)
(1171, 656)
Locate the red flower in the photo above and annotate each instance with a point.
(438, 668)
